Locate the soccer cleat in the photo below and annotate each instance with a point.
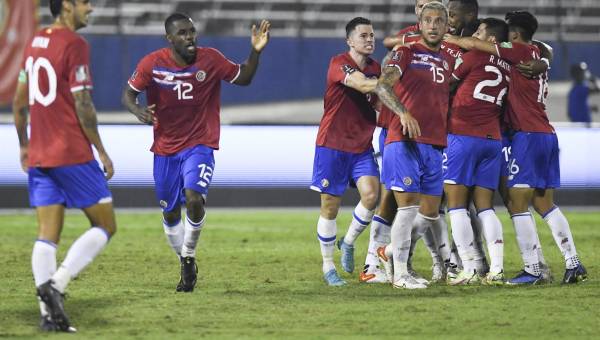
(54, 302)
(387, 263)
(333, 279)
(491, 279)
(452, 270)
(420, 279)
(47, 325)
(465, 278)
(347, 257)
(408, 281)
(189, 274)
(524, 278)
(546, 273)
(438, 272)
(577, 274)
(372, 274)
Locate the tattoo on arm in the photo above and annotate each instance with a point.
(86, 112)
(385, 92)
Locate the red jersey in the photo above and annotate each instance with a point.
(413, 35)
(57, 64)
(424, 90)
(187, 98)
(477, 104)
(526, 110)
(349, 118)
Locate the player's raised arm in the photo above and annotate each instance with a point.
(471, 43)
(358, 81)
(86, 113)
(260, 38)
(21, 116)
(143, 114)
(384, 89)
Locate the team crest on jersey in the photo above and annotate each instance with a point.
(407, 181)
(446, 66)
(81, 73)
(324, 183)
(163, 203)
(200, 75)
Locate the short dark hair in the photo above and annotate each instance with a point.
(523, 22)
(497, 28)
(175, 17)
(470, 5)
(351, 25)
(56, 7)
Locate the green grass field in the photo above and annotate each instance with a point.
(260, 276)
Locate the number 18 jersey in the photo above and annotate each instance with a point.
(478, 103)
(56, 64)
(187, 98)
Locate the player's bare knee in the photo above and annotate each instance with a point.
(369, 199)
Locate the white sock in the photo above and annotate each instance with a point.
(526, 238)
(439, 230)
(477, 226)
(43, 261)
(492, 231)
(360, 220)
(401, 235)
(175, 234)
(379, 236)
(81, 253)
(190, 236)
(462, 233)
(537, 237)
(562, 236)
(326, 233)
(423, 224)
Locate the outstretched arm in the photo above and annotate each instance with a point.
(470, 43)
(21, 116)
(143, 114)
(391, 41)
(358, 81)
(389, 76)
(259, 40)
(86, 112)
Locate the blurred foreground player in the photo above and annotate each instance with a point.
(344, 152)
(54, 84)
(534, 169)
(183, 84)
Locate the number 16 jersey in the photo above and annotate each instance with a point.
(187, 98)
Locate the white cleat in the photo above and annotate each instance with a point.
(387, 263)
(420, 279)
(465, 278)
(372, 274)
(408, 282)
(438, 272)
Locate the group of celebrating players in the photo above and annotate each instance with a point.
(461, 106)
(425, 71)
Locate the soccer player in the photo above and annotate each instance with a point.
(534, 170)
(343, 152)
(183, 84)
(474, 152)
(415, 82)
(54, 87)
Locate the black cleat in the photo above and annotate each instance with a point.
(577, 274)
(189, 274)
(54, 301)
(47, 325)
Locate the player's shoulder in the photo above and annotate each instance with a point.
(412, 29)
(156, 57)
(209, 52)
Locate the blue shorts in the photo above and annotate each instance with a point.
(333, 169)
(191, 168)
(74, 186)
(413, 167)
(506, 148)
(534, 161)
(473, 161)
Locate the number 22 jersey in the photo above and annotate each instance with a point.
(187, 98)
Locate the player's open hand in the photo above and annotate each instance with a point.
(107, 165)
(24, 155)
(260, 36)
(146, 115)
(410, 125)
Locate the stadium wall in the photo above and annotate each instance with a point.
(267, 166)
(290, 68)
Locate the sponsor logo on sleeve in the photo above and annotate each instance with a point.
(506, 45)
(397, 55)
(348, 69)
(82, 74)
